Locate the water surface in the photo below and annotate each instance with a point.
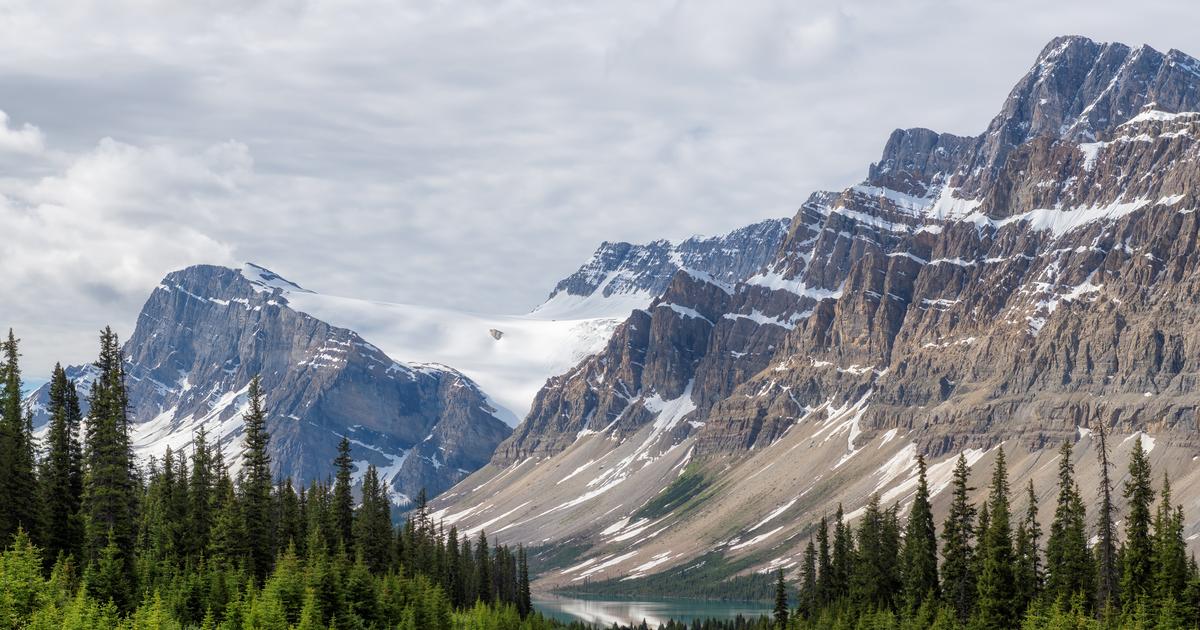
(654, 610)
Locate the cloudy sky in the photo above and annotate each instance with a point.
(466, 154)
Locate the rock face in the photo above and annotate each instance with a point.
(205, 331)
(1018, 287)
(646, 270)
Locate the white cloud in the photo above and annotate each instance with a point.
(27, 139)
(464, 153)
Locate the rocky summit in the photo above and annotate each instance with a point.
(206, 331)
(1018, 288)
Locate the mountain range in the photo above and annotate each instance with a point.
(426, 394)
(690, 409)
(1016, 288)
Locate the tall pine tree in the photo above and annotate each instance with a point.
(256, 485)
(1070, 572)
(62, 474)
(18, 481)
(997, 591)
(1137, 575)
(958, 554)
(919, 564)
(1107, 571)
(1028, 571)
(111, 489)
(343, 500)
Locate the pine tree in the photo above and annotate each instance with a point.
(781, 601)
(62, 476)
(200, 494)
(919, 559)
(18, 481)
(842, 559)
(824, 591)
(876, 577)
(1137, 577)
(290, 530)
(808, 581)
(997, 591)
(1107, 578)
(1170, 550)
(1069, 568)
(958, 560)
(1028, 572)
(256, 485)
(343, 500)
(373, 524)
(524, 596)
(483, 570)
(110, 494)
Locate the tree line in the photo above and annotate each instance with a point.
(94, 540)
(993, 570)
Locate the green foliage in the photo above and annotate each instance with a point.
(689, 485)
(919, 565)
(958, 553)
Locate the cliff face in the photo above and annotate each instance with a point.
(206, 331)
(1017, 287)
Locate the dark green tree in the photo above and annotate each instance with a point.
(18, 480)
(875, 580)
(483, 569)
(958, 553)
(808, 600)
(824, 591)
(373, 524)
(200, 494)
(1137, 575)
(996, 606)
(1107, 571)
(1070, 571)
(255, 487)
(919, 562)
(1028, 571)
(62, 473)
(524, 595)
(343, 499)
(111, 489)
(842, 559)
(1170, 560)
(781, 601)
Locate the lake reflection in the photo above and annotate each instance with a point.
(653, 610)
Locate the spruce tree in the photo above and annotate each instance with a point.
(875, 575)
(18, 481)
(373, 524)
(842, 559)
(1170, 550)
(524, 595)
(62, 477)
(1028, 572)
(824, 590)
(110, 495)
(781, 601)
(1069, 568)
(483, 570)
(808, 601)
(256, 485)
(958, 559)
(1137, 576)
(290, 529)
(343, 500)
(997, 591)
(919, 559)
(200, 493)
(1107, 571)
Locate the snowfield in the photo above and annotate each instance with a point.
(510, 369)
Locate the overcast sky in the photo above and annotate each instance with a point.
(465, 154)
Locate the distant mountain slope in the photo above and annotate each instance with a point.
(1015, 288)
(632, 275)
(205, 331)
